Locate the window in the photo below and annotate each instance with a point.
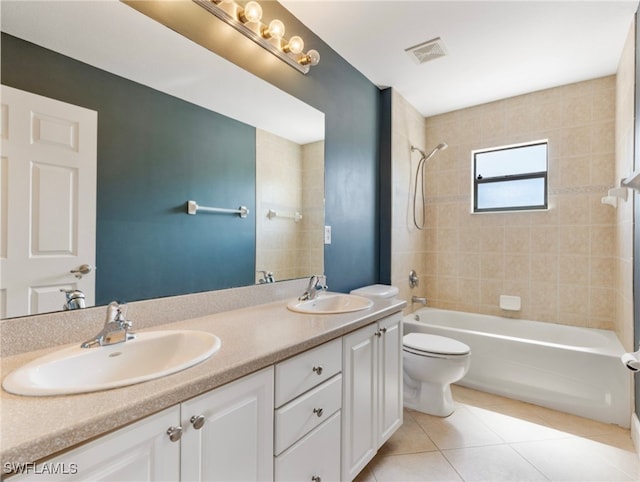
(510, 178)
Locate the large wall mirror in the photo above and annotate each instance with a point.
(175, 122)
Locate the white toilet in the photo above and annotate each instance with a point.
(431, 364)
(376, 292)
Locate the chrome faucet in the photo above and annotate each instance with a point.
(317, 283)
(115, 330)
(267, 277)
(74, 299)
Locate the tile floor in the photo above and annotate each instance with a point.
(491, 438)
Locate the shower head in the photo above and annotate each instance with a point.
(421, 163)
(440, 147)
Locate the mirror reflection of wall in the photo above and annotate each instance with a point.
(290, 206)
(158, 148)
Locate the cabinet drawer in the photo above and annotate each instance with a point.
(316, 455)
(305, 371)
(298, 417)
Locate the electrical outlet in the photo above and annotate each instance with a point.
(327, 235)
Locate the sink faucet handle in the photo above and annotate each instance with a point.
(113, 309)
(116, 313)
(322, 282)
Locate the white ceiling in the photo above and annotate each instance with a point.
(495, 49)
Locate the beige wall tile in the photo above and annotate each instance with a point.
(573, 239)
(554, 259)
(573, 270)
(517, 267)
(544, 268)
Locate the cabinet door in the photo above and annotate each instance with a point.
(141, 451)
(390, 377)
(236, 440)
(359, 403)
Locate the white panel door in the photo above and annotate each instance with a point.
(48, 201)
(359, 400)
(235, 443)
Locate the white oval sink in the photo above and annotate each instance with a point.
(331, 304)
(150, 355)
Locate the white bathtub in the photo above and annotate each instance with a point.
(566, 368)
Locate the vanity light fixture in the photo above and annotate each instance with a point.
(247, 19)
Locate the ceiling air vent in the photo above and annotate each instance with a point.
(427, 51)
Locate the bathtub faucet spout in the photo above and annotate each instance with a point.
(418, 299)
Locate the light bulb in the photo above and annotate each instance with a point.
(274, 30)
(312, 58)
(295, 45)
(252, 12)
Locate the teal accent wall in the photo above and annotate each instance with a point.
(155, 152)
(385, 187)
(352, 108)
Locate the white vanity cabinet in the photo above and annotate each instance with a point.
(228, 432)
(318, 416)
(308, 415)
(141, 451)
(372, 391)
(222, 435)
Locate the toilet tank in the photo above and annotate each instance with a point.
(376, 292)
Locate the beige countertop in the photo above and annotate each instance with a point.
(33, 428)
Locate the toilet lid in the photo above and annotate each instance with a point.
(434, 344)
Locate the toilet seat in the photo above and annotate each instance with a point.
(425, 344)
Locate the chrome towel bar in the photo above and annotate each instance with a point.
(193, 208)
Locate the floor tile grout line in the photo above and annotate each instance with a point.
(539, 419)
(452, 466)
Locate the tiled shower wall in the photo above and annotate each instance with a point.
(407, 243)
(561, 262)
(624, 136)
(289, 179)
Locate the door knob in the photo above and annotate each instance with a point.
(82, 270)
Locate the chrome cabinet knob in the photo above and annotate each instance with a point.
(383, 330)
(174, 433)
(197, 421)
(318, 369)
(378, 333)
(318, 411)
(316, 478)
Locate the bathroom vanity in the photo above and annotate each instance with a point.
(288, 396)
